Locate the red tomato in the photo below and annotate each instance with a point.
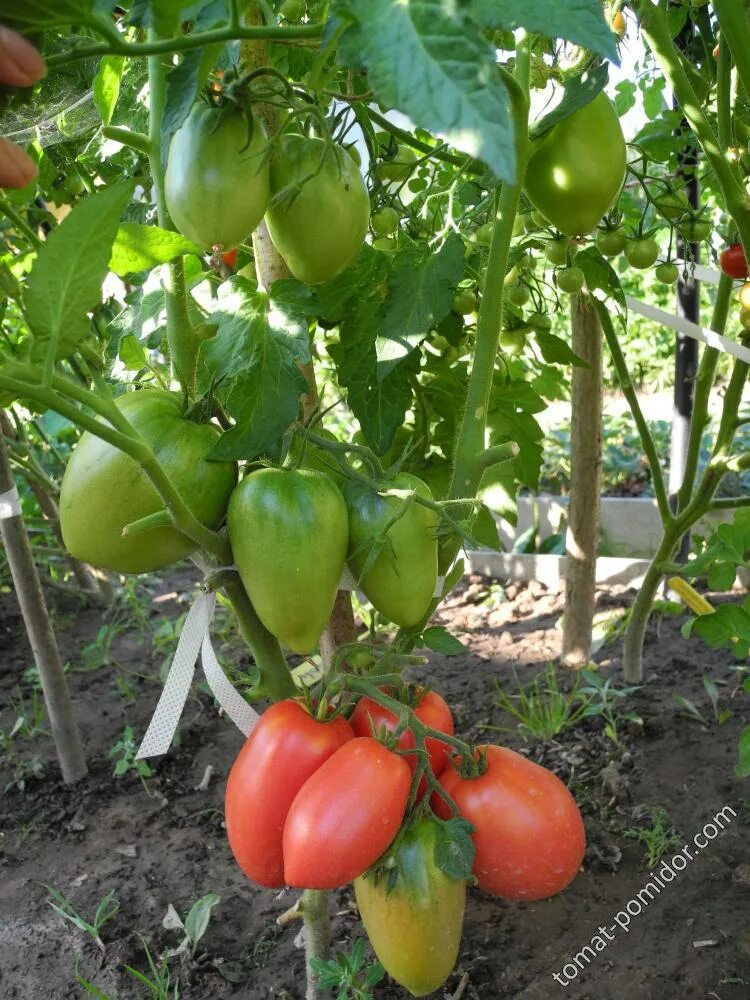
(283, 751)
(733, 262)
(345, 815)
(431, 709)
(230, 257)
(529, 834)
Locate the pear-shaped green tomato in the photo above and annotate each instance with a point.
(415, 926)
(320, 227)
(288, 530)
(217, 182)
(400, 580)
(576, 169)
(103, 489)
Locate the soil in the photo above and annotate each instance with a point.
(160, 841)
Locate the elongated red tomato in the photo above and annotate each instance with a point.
(345, 815)
(283, 751)
(529, 835)
(431, 709)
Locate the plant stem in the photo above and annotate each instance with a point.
(735, 33)
(640, 612)
(317, 920)
(115, 45)
(19, 223)
(183, 343)
(128, 137)
(275, 679)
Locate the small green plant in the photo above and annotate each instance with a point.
(541, 708)
(194, 926)
(105, 911)
(125, 750)
(350, 974)
(691, 711)
(160, 982)
(604, 701)
(659, 837)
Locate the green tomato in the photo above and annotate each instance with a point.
(556, 251)
(569, 280)
(386, 243)
(641, 253)
(401, 580)
(400, 167)
(288, 530)
(672, 204)
(519, 295)
(103, 489)
(320, 232)
(527, 263)
(511, 277)
(414, 923)
(610, 242)
(483, 234)
(745, 318)
(576, 169)
(292, 10)
(539, 322)
(385, 221)
(73, 184)
(464, 302)
(695, 229)
(216, 185)
(667, 273)
(518, 226)
(512, 342)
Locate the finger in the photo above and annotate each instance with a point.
(17, 169)
(20, 63)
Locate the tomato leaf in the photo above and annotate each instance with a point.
(428, 60)
(454, 849)
(34, 14)
(420, 293)
(440, 640)
(556, 351)
(132, 353)
(138, 248)
(578, 21)
(728, 626)
(576, 95)
(254, 361)
(106, 86)
(65, 282)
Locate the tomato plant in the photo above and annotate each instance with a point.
(321, 210)
(529, 834)
(414, 921)
(333, 832)
(217, 179)
(285, 749)
(104, 490)
(286, 525)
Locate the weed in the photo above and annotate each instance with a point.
(126, 762)
(105, 911)
(541, 708)
(194, 926)
(350, 975)
(160, 984)
(603, 700)
(659, 837)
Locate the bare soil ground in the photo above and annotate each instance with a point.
(690, 940)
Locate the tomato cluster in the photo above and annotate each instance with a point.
(318, 803)
(223, 177)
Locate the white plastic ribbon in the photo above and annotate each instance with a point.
(10, 505)
(701, 333)
(194, 640)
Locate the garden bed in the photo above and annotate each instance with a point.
(169, 847)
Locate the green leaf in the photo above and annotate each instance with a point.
(196, 922)
(139, 248)
(65, 282)
(728, 626)
(484, 530)
(29, 15)
(578, 21)
(742, 770)
(579, 92)
(106, 86)
(254, 360)
(441, 641)
(428, 60)
(556, 351)
(420, 293)
(121, 767)
(183, 82)
(132, 353)
(454, 849)
(722, 575)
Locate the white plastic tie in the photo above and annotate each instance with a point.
(10, 505)
(194, 639)
(702, 333)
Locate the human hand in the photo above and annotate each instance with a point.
(20, 66)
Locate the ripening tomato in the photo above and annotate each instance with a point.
(345, 815)
(430, 709)
(733, 262)
(556, 251)
(414, 924)
(641, 253)
(610, 242)
(285, 749)
(529, 835)
(230, 257)
(667, 273)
